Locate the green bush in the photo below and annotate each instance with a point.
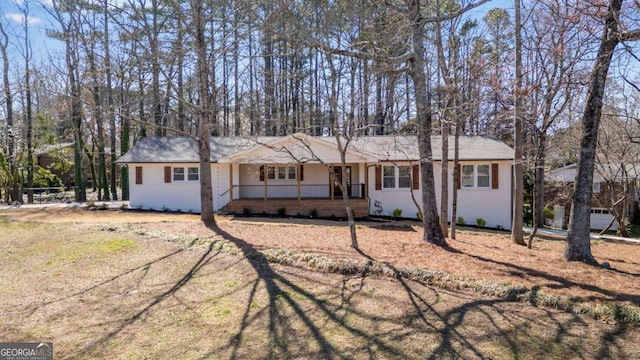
(313, 213)
(460, 221)
(282, 211)
(43, 178)
(548, 212)
(397, 213)
(246, 211)
(481, 222)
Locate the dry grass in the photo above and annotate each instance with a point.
(179, 290)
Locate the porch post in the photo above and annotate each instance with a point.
(230, 182)
(331, 181)
(366, 181)
(266, 177)
(298, 177)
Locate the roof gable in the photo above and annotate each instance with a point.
(296, 147)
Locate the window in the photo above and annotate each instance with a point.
(467, 176)
(281, 172)
(193, 174)
(478, 176)
(396, 177)
(178, 174)
(404, 176)
(483, 176)
(596, 187)
(389, 177)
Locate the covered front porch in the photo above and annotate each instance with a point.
(300, 189)
(300, 174)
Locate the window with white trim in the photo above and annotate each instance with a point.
(476, 176)
(596, 187)
(404, 177)
(178, 174)
(192, 174)
(396, 177)
(281, 172)
(389, 177)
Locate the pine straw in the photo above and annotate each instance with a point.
(352, 263)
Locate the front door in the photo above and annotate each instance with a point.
(337, 178)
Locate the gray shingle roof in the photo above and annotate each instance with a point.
(377, 148)
(406, 148)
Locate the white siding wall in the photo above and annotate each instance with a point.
(493, 205)
(155, 194)
(220, 182)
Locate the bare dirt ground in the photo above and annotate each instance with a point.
(72, 277)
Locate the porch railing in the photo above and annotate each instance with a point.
(307, 191)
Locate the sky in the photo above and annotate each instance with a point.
(40, 21)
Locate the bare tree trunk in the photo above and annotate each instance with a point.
(538, 192)
(110, 113)
(103, 186)
(205, 112)
(431, 223)
(155, 67)
(456, 179)
(13, 176)
(444, 129)
(28, 114)
(518, 191)
(578, 238)
(125, 129)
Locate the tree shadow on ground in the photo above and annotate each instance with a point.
(454, 342)
(560, 282)
(202, 261)
(277, 288)
(450, 327)
(144, 267)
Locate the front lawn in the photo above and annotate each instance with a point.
(256, 289)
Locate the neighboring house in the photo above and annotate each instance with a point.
(560, 187)
(57, 158)
(298, 173)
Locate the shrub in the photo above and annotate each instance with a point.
(481, 222)
(548, 212)
(124, 206)
(397, 213)
(43, 178)
(460, 221)
(246, 211)
(313, 213)
(282, 211)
